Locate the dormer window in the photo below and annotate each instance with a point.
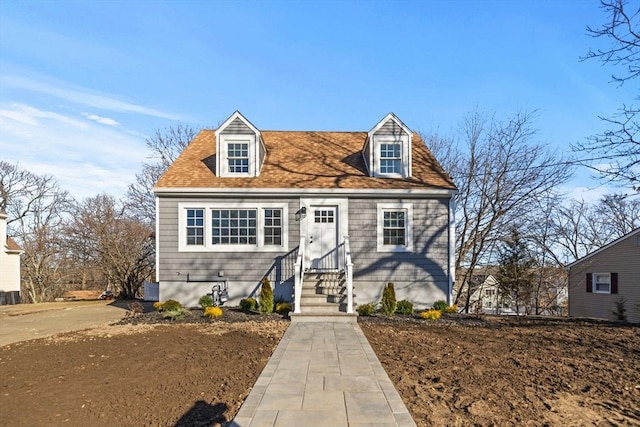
(238, 156)
(390, 158)
(387, 151)
(240, 151)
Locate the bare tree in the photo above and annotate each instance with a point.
(36, 208)
(165, 146)
(501, 177)
(615, 154)
(120, 245)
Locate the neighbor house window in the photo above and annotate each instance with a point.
(390, 159)
(195, 227)
(238, 156)
(233, 226)
(395, 233)
(602, 283)
(273, 227)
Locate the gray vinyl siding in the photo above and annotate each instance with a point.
(366, 153)
(421, 275)
(174, 265)
(390, 128)
(622, 258)
(237, 127)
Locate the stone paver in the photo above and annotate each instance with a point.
(323, 374)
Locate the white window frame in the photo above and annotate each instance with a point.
(594, 280)
(210, 247)
(395, 159)
(403, 142)
(230, 158)
(225, 140)
(408, 209)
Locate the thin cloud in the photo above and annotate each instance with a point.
(82, 96)
(84, 156)
(102, 120)
(31, 116)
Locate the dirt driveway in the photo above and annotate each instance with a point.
(23, 322)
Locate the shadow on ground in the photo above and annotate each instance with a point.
(203, 414)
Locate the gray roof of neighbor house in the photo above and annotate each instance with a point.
(303, 160)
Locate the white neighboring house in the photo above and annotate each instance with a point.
(9, 265)
(487, 298)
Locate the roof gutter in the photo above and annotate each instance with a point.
(369, 192)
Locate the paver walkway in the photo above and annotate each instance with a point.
(323, 374)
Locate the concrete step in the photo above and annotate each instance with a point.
(324, 317)
(321, 307)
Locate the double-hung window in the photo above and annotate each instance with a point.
(602, 283)
(390, 158)
(233, 227)
(395, 227)
(195, 227)
(238, 157)
(273, 227)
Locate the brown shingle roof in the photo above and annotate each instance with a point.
(298, 159)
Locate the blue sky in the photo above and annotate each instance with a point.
(82, 84)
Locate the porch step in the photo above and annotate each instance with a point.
(326, 317)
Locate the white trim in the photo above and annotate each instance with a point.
(310, 192)
(405, 155)
(225, 140)
(209, 247)
(408, 208)
(222, 164)
(237, 115)
(343, 214)
(386, 118)
(452, 247)
(615, 242)
(594, 288)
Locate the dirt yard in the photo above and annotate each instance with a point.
(455, 372)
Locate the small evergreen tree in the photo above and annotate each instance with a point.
(389, 303)
(515, 274)
(265, 304)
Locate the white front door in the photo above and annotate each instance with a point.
(323, 238)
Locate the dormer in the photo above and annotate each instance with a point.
(387, 151)
(239, 147)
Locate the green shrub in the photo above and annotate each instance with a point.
(265, 302)
(171, 305)
(389, 303)
(366, 309)
(620, 312)
(206, 301)
(176, 314)
(248, 304)
(440, 305)
(404, 307)
(283, 308)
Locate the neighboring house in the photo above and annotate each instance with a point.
(486, 296)
(609, 275)
(318, 213)
(9, 265)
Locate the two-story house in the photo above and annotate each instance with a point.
(338, 214)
